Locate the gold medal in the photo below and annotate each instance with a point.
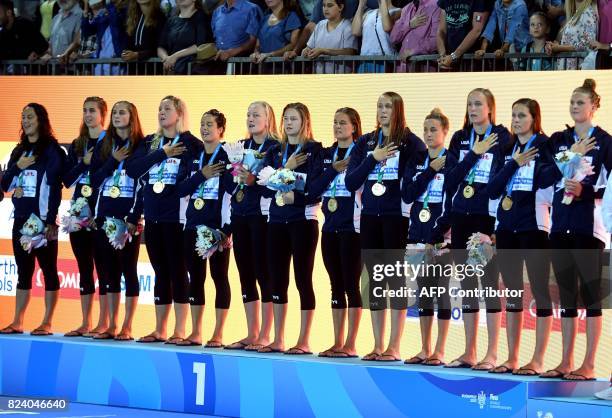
(86, 190)
(378, 189)
(279, 200)
(198, 204)
(424, 215)
(332, 205)
(507, 203)
(239, 196)
(468, 192)
(114, 192)
(18, 193)
(158, 187)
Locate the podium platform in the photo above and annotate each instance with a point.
(238, 383)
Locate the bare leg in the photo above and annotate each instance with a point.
(221, 316)
(398, 320)
(51, 297)
(569, 328)
(280, 316)
(514, 325)
(543, 329)
(339, 319)
(306, 316)
(443, 325)
(130, 310)
(493, 326)
(593, 333)
(378, 328)
(22, 299)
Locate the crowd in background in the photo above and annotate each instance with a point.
(211, 32)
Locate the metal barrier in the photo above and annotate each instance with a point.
(300, 65)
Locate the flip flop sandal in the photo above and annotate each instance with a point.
(433, 362)
(104, 336)
(238, 345)
(10, 330)
(389, 359)
(147, 339)
(371, 357)
(582, 377)
(295, 351)
(40, 333)
(89, 334)
(75, 333)
(188, 343)
(415, 360)
(327, 353)
(173, 340)
(124, 337)
(267, 349)
(557, 374)
(459, 364)
(342, 354)
(531, 372)
(214, 344)
(483, 363)
(501, 370)
(254, 347)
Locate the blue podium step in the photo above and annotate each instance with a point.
(238, 383)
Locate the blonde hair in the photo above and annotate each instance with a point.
(181, 123)
(305, 134)
(572, 13)
(490, 103)
(436, 114)
(270, 119)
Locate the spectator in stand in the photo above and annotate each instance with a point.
(605, 32)
(27, 9)
(416, 30)
(108, 24)
(577, 34)
(539, 29)
(512, 22)
(279, 31)
(182, 35)
(65, 31)
(313, 12)
(145, 21)
(235, 25)
(373, 26)
(19, 38)
(332, 36)
(48, 9)
(461, 23)
(168, 6)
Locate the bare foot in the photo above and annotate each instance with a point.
(331, 350)
(581, 373)
(532, 368)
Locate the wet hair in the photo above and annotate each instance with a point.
(588, 88)
(436, 114)
(45, 132)
(81, 142)
(219, 119)
(355, 119)
(135, 134)
(490, 103)
(270, 119)
(305, 134)
(398, 128)
(534, 109)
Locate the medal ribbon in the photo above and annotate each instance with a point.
(20, 178)
(162, 167)
(117, 174)
(472, 173)
(210, 162)
(297, 151)
(348, 153)
(85, 150)
(381, 169)
(589, 135)
(511, 182)
(426, 198)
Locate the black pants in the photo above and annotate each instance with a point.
(118, 263)
(297, 240)
(530, 248)
(164, 242)
(83, 245)
(46, 257)
(463, 226)
(342, 258)
(437, 281)
(381, 233)
(249, 235)
(577, 257)
(196, 265)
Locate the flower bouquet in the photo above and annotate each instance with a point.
(117, 232)
(415, 253)
(235, 155)
(32, 234)
(573, 167)
(282, 180)
(253, 161)
(480, 249)
(79, 217)
(208, 240)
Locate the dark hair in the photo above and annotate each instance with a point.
(534, 110)
(81, 142)
(135, 135)
(437, 114)
(542, 15)
(45, 132)
(490, 102)
(134, 12)
(588, 88)
(219, 119)
(8, 5)
(355, 119)
(340, 3)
